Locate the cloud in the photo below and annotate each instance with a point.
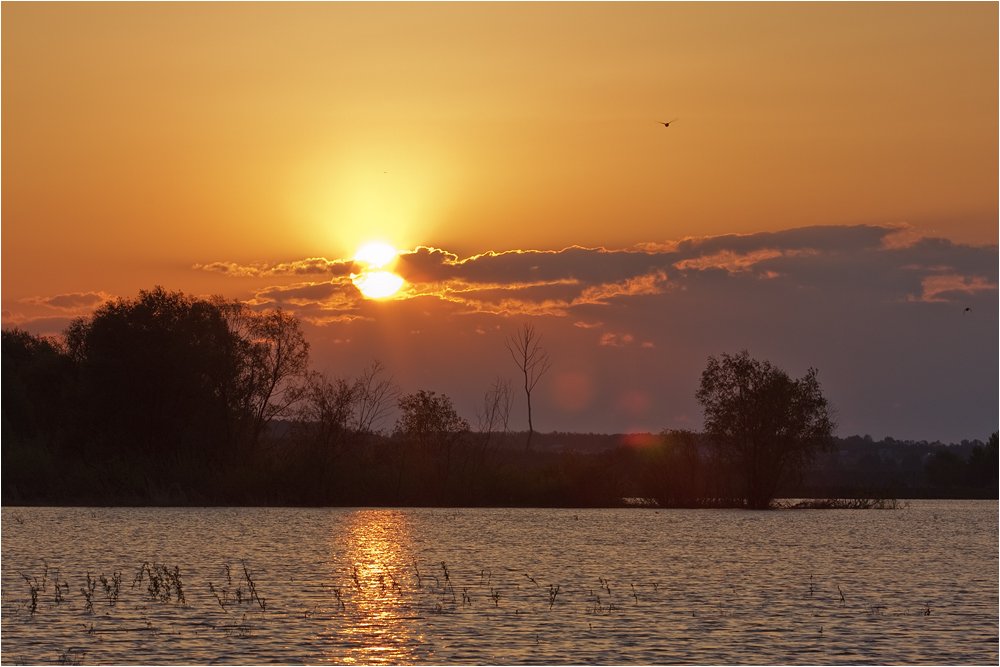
(616, 340)
(887, 261)
(952, 287)
(72, 301)
(302, 267)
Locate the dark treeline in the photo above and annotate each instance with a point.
(171, 400)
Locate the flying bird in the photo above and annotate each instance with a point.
(667, 124)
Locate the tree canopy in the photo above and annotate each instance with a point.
(764, 423)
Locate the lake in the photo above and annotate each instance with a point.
(915, 585)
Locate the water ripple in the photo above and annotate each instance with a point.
(501, 586)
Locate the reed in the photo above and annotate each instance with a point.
(88, 594)
(33, 588)
(162, 583)
(58, 590)
(112, 587)
(252, 586)
(420, 581)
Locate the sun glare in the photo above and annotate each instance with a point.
(378, 284)
(375, 254)
(374, 281)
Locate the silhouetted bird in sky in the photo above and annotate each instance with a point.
(967, 310)
(667, 124)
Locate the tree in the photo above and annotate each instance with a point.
(375, 393)
(429, 424)
(167, 373)
(533, 362)
(675, 470)
(153, 373)
(762, 422)
(325, 411)
(38, 378)
(272, 356)
(983, 464)
(429, 419)
(494, 415)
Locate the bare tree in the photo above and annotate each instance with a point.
(375, 397)
(494, 416)
(326, 409)
(532, 360)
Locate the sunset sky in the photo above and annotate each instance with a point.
(827, 196)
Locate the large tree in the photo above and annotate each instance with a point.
(171, 374)
(153, 372)
(764, 423)
(38, 380)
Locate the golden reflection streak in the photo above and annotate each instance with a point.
(381, 627)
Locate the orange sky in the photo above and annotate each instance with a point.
(143, 140)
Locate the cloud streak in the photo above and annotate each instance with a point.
(902, 328)
(882, 260)
(70, 302)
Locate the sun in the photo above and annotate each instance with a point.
(374, 280)
(377, 284)
(375, 254)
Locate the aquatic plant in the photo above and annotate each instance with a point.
(58, 590)
(252, 585)
(33, 588)
(112, 587)
(88, 594)
(416, 569)
(162, 583)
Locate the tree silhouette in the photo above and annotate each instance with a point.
(38, 380)
(153, 375)
(494, 416)
(533, 362)
(376, 392)
(429, 419)
(272, 355)
(429, 424)
(763, 422)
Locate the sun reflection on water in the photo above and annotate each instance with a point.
(384, 629)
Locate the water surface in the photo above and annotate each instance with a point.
(917, 585)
